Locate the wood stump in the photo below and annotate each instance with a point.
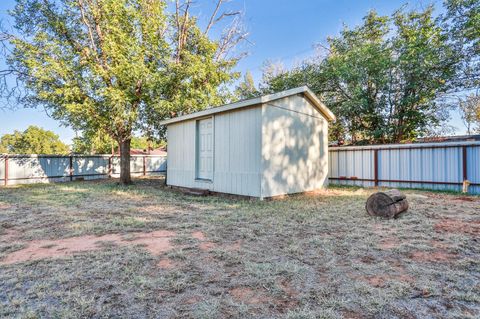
(387, 204)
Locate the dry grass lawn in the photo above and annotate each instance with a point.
(96, 249)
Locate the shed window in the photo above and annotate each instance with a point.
(204, 149)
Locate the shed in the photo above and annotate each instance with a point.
(267, 146)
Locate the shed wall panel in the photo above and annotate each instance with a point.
(294, 147)
(237, 150)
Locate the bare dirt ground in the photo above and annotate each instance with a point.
(96, 249)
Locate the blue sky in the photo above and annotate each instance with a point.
(280, 30)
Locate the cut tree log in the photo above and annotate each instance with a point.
(387, 204)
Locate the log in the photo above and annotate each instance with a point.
(387, 204)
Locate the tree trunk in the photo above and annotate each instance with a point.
(125, 177)
(386, 204)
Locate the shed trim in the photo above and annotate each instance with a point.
(257, 101)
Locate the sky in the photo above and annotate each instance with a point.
(279, 30)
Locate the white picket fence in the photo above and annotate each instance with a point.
(26, 169)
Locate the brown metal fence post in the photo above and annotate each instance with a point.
(375, 167)
(464, 163)
(6, 170)
(71, 167)
(144, 165)
(110, 166)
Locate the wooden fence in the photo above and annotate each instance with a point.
(26, 169)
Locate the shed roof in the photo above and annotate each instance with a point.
(258, 100)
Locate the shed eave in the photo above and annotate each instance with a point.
(256, 101)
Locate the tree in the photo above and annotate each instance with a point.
(34, 140)
(383, 79)
(96, 143)
(462, 19)
(246, 89)
(113, 66)
(103, 144)
(145, 143)
(470, 112)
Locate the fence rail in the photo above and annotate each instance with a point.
(26, 169)
(441, 166)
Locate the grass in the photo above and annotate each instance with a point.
(307, 256)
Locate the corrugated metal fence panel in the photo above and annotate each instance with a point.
(441, 166)
(156, 164)
(2, 169)
(90, 167)
(473, 170)
(26, 169)
(437, 166)
(356, 165)
(136, 165)
(37, 169)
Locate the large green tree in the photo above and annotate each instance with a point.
(34, 140)
(462, 19)
(115, 66)
(382, 79)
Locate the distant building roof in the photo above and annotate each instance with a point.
(433, 139)
(139, 151)
(454, 138)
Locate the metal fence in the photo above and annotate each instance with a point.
(440, 166)
(26, 169)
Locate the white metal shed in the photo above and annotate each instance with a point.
(262, 147)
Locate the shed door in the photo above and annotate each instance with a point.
(205, 149)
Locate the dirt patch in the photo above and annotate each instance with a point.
(235, 246)
(349, 314)
(459, 226)
(367, 260)
(198, 235)
(435, 256)
(208, 245)
(193, 300)
(5, 206)
(466, 199)
(376, 281)
(439, 244)
(10, 234)
(166, 263)
(156, 242)
(204, 245)
(249, 296)
(380, 281)
(389, 243)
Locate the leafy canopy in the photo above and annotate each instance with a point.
(116, 66)
(103, 144)
(462, 20)
(107, 64)
(34, 140)
(382, 79)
